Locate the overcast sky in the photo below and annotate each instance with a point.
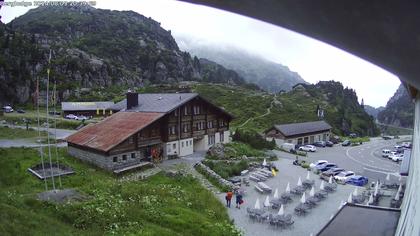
(312, 59)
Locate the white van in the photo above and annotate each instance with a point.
(288, 146)
(386, 152)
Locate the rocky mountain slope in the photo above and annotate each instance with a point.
(399, 110)
(94, 48)
(373, 111)
(270, 76)
(259, 110)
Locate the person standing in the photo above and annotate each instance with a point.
(239, 200)
(228, 197)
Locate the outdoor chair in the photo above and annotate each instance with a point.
(285, 221)
(301, 209)
(308, 183)
(298, 190)
(321, 195)
(330, 187)
(359, 199)
(286, 198)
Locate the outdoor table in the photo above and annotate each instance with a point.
(396, 203)
(264, 187)
(330, 187)
(301, 209)
(311, 202)
(359, 199)
(286, 197)
(308, 183)
(322, 194)
(298, 190)
(275, 203)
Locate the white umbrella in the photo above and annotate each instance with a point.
(288, 187)
(322, 185)
(308, 177)
(388, 177)
(397, 196)
(264, 162)
(257, 204)
(350, 199)
(399, 188)
(267, 201)
(281, 210)
(299, 182)
(355, 192)
(370, 199)
(330, 180)
(376, 189)
(303, 198)
(312, 192)
(276, 194)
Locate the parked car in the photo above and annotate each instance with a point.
(397, 157)
(7, 109)
(317, 163)
(406, 144)
(357, 180)
(387, 137)
(320, 144)
(57, 113)
(81, 118)
(346, 143)
(331, 172)
(391, 154)
(20, 111)
(326, 166)
(343, 176)
(329, 144)
(307, 148)
(386, 152)
(353, 135)
(71, 116)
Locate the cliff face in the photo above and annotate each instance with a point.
(373, 111)
(93, 48)
(399, 110)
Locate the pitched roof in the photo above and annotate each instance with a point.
(157, 102)
(85, 106)
(113, 130)
(302, 128)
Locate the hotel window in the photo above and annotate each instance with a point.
(190, 142)
(186, 128)
(222, 138)
(154, 132)
(124, 157)
(133, 155)
(196, 110)
(115, 159)
(186, 110)
(209, 124)
(176, 112)
(174, 146)
(182, 144)
(130, 140)
(172, 130)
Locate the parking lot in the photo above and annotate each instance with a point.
(363, 160)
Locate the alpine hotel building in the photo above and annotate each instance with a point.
(151, 126)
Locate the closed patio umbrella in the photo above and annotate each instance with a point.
(267, 201)
(257, 204)
(350, 199)
(370, 199)
(322, 185)
(299, 183)
(330, 180)
(281, 210)
(312, 192)
(264, 162)
(376, 188)
(355, 192)
(388, 177)
(276, 194)
(303, 198)
(308, 177)
(288, 187)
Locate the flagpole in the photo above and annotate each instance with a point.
(48, 124)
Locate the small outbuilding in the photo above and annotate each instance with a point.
(87, 108)
(299, 133)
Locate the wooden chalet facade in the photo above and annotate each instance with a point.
(151, 126)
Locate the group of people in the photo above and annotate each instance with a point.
(239, 198)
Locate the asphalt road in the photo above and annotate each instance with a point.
(365, 159)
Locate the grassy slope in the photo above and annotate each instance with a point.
(9, 133)
(157, 206)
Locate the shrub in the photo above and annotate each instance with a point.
(254, 139)
(235, 149)
(305, 165)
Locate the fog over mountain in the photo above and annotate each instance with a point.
(270, 76)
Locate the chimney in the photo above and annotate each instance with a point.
(132, 99)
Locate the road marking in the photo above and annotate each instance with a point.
(396, 174)
(364, 164)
